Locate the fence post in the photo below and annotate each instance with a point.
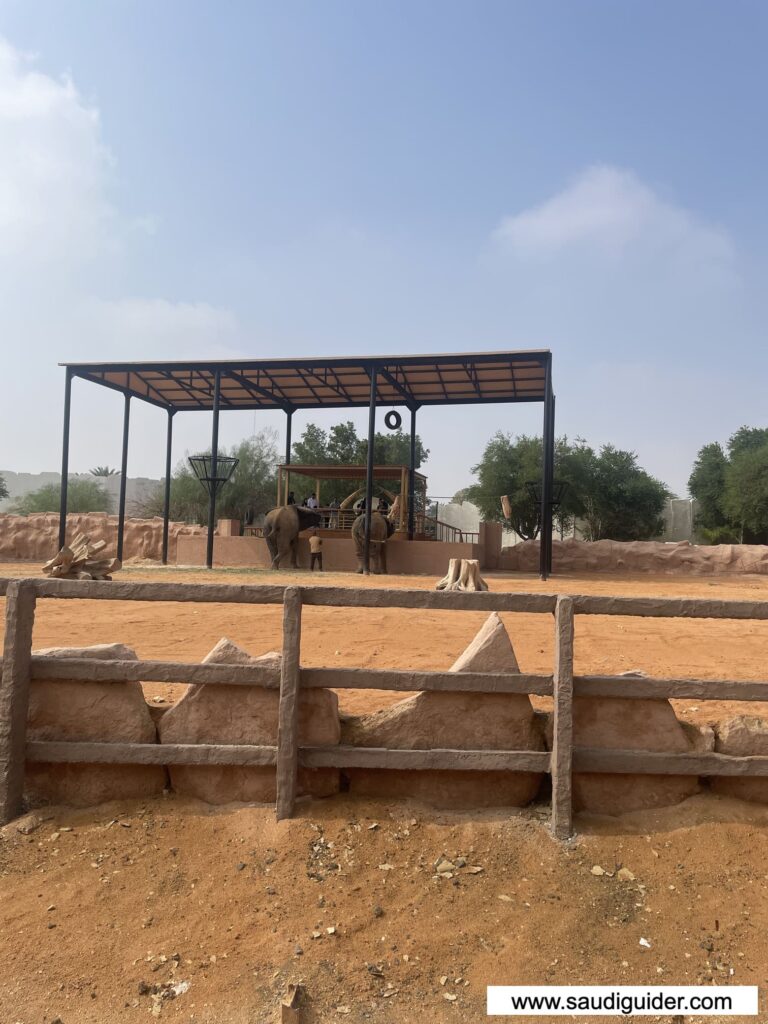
(562, 742)
(288, 718)
(14, 695)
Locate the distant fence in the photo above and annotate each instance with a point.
(19, 668)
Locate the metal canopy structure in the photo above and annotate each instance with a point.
(413, 381)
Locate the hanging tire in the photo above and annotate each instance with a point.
(393, 420)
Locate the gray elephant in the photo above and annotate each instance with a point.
(282, 527)
(381, 530)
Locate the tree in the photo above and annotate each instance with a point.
(707, 485)
(506, 467)
(622, 501)
(249, 492)
(3, 487)
(104, 471)
(82, 496)
(608, 490)
(730, 488)
(341, 446)
(312, 447)
(745, 496)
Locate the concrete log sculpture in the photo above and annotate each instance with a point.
(463, 574)
(78, 561)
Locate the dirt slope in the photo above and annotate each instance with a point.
(138, 895)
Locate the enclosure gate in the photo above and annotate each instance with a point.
(19, 668)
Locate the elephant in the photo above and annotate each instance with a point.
(282, 527)
(381, 530)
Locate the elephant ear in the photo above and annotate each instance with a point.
(307, 517)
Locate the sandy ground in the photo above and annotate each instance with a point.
(394, 638)
(97, 907)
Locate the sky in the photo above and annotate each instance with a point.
(191, 180)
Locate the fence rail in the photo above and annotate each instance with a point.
(20, 667)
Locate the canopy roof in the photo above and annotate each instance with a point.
(287, 384)
(334, 472)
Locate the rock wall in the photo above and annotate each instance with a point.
(35, 538)
(80, 710)
(639, 556)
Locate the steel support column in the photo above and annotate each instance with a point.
(167, 496)
(123, 478)
(288, 418)
(545, 537)
(552, 477)
(214, 468)
(65, 461)
(412, 478)
(369, 470)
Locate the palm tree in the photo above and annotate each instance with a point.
(104, 471)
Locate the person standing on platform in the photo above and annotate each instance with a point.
(315, 551)
(334, 517)
(291, 499)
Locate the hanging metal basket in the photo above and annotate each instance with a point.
(202, 467)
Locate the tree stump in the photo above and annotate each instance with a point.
(463, 574)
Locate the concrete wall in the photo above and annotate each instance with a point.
(426, 557)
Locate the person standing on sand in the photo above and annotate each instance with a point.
(315, 551)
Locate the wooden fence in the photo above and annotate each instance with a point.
(19, 668)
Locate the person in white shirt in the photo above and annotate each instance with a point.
(312, 501)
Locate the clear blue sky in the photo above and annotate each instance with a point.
(187, 179)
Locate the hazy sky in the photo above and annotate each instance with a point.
(184, 180)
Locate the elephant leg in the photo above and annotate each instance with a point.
(274, 552)
(295, 553)
(358, 552)
(383, 558)
(376, 558)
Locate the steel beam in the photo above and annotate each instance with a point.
(214, 469)
(412, 478)
(167, 495)
(123, 478)
(369, 470)
(65, 461)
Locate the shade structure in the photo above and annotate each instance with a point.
(412, 381)
(339, 382)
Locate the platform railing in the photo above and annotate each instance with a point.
(19, 668)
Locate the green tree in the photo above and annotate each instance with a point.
(608, 490)
(729, 486)
(745, 496)
(746, 439)
(342, 446)
(3, 487)
(249, 492)
(507, 465)
(312, 447)
(622, 501)
(707, 485)
(82, 496)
